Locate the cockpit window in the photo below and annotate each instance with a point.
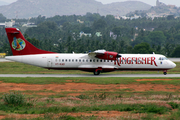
(163, 58)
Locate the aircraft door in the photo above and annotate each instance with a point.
(49, 63)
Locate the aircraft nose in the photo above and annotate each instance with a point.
(173, 65)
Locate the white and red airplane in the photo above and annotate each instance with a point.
(97, 61)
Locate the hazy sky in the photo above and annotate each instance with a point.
(151, 2)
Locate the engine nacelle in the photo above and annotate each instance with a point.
(108, 55)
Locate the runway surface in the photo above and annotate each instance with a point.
(89, 75)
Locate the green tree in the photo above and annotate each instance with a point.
(157, 38)
(142, 48)
(176, 52)
(117, 31)
(2, 18)
(34, 41)
(99, 24)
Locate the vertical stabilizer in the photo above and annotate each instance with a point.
(19, 45)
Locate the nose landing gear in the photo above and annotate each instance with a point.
(165, 72)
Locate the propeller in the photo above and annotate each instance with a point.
(118, 56)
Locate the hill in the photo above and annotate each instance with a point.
(158, 11)
(49, 8)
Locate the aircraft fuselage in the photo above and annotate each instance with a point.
(84, 62)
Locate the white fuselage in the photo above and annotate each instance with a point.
(87, 63)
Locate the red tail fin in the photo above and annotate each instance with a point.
(19, 45)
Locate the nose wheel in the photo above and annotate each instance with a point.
(165, 72)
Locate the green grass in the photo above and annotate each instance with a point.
(136, 108)
(90, 80)
(21, 68)
(50, 116)
(50, 107)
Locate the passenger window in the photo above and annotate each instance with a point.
(72, 60)
(79, 60)
(59, 60)
(104, 60)
(66, 60)
(86, 60)
(90, 60)
(93, 60)
(69, 60)
(76, 60)
(97, 60)
(100, 60)
(62, 60)
(83, 60)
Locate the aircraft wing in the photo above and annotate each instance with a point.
(96, 53)
(103, 54)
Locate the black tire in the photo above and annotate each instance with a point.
(165, 73)
(96, 73)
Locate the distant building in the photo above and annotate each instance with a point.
(159, 3)
(8, 24)
(84, 34)
(113, 35)
(124, 17)
(29, 25)
(98, 34)
(78, 20)
(117, 17)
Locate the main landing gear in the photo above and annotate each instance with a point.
(165, 72)
(98, 71)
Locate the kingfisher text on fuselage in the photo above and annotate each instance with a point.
(136, 60)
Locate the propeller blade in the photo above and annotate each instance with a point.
(118, 56)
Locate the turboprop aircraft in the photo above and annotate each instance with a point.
(96, 62)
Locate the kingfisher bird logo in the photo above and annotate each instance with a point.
(18, 44)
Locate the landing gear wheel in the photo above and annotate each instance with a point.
(96, 73)
(165, 73)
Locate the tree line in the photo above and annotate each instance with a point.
(142, 35)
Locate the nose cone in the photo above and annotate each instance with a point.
(173, 65)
